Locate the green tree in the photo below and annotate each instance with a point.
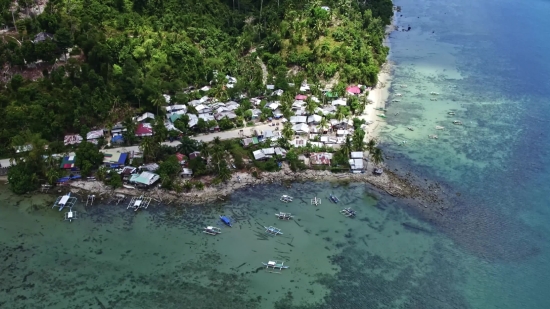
(149, 147)
(87, 157)
(377, 156)
(287, 131)
(115, 181)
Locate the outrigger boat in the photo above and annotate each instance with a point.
(212, 230)
(286, 198)
(273, 230)
(381, 115)
(226, 220)
(451, 113)
(71, 215)
(410, 128)
(334, 199)
(457, 122)
(65, 201)
(348, 212)
(284, 216)
(434, 93)
(275, 267)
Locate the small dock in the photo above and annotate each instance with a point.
(90, 201)
(316, 201)
(65, 201)
(141, 202)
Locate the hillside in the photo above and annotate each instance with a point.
(123, 55)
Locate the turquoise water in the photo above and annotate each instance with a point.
(487, 61)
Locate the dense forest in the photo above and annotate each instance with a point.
(74, 65)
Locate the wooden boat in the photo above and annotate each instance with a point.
(451, 113)
(457, 122)
(410, 128)
(334, 199)
(212, 230)
(275, 266)
(273, 230)
(433, 136)
(65, 201)
(348, 212)
(381, 115)
(226, 220)
(284, 216)
(439, 128)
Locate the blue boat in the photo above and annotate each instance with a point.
(334, 199)
(225, 220)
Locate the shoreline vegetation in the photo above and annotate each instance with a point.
(328, 46)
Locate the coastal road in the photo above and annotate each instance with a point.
(230, 134)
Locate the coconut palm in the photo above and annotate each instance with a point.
(323, 124)
(377, 156)
(310, 107)
(358, 140)
(287, 131)
(371, 145)
(346, 147)
(149, 148)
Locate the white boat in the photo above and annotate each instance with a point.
(65, 201)
(212, 230)
(275, 266)
(273, 230)
(286, 198)
(457, 122)
(128, 187)
(348, 212)
(284, 216)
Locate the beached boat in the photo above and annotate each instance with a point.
(275, 266)
(212, 230)
(141, 202)
(284, 216)
(381, 115)
(226, 221)
(286, 198)
(457, 122)
(334, 199)
(378, 171)
(273, 230)
(348, 212)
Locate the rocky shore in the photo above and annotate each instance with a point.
(388, 183)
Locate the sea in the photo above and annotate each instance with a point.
(485, 62)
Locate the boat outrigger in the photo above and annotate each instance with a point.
(284, 216)
(65, 201)
(71, 215)
(316, 201)
(226, 221)
(212, 230)
(348, 212)
(139, 202)
(275, 267)
(334, 199)
(286, 198)
(273, 230)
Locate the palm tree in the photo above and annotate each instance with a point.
(358, 140)
(187, 145)
(371, 145)
(149, 148)
(287, 131)
(377, 156)
(310, 107)
(52, 175)
(346, 147)
(158, 101)
(323, 124)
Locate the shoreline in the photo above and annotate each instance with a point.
(388, 183)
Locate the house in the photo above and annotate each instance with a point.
(341, 102)
(270, 87)
(114, 159)
(23, 148)
(67, 162)
(145, 179)
(206, 117)
(277, 114)
(298, 119)
(182, 159)
(320, 158)
(342, 132)
(228, 115)
(301, 128)
(298, 104)
(280, 151)
(41, 37)
(117, 128)
(255, 101)
(299, 142)
(256, 113)
(93, 136)
(193, 120)
(249, 141)
(194, 154)
(304, 88)
(232, 105)
(259, 155)
(186, 173)
(266, 153)
(72, 139)
(144, 117)
(314, 119)
(278, 92)
(273, 105)
(127, 172)
(175, 108)
(356, 165)
(144, 129)
(357, 155)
